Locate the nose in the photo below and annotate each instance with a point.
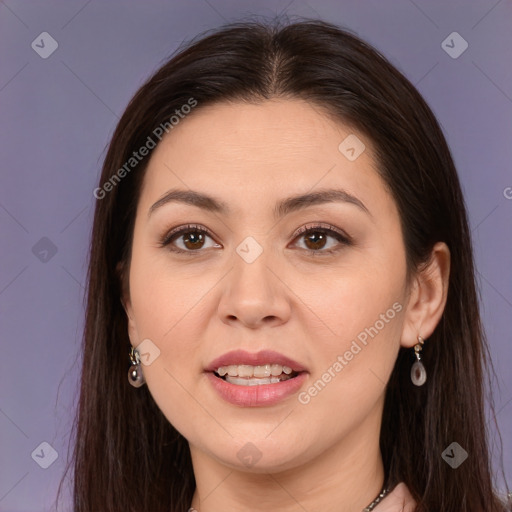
(254, 295)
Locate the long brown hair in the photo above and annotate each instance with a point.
(126, 454)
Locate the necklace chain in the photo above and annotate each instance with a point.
(378, 499)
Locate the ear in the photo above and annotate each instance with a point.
(427, 298)
(121, 272)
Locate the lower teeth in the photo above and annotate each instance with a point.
(256, 381)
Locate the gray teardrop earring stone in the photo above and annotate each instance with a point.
(418, 374)
(135, 376)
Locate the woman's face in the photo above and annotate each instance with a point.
(335, 302)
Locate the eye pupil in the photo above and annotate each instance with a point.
(195, 238)
(320, 240)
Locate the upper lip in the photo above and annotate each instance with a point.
(239, 357)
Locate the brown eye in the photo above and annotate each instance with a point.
(193, 240)
(316, 239)
(187, 239)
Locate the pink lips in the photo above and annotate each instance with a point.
(261, 394)
(238, 357)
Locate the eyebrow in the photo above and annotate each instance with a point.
(282, 208)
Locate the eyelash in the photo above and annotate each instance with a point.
(316, 228)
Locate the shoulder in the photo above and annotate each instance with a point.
(398, 500)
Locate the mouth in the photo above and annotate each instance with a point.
(259, 379)
(254, 391)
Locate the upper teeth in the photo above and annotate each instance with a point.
(244, 370)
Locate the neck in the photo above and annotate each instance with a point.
(344, 478)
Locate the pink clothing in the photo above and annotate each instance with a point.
(398, 500)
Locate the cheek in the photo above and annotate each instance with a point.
(172, 308)
(161, 292)
(354, 297)
(355, 355)
(358, 316)
(358, 330)
(169, 311)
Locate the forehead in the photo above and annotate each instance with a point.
(248, 152)
(290, 125)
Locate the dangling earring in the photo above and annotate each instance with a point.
(135, 375)
(418, 372)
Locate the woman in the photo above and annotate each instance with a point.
(281, 252)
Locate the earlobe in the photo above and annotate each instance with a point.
(428, 297)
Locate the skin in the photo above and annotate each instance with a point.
(320, 456)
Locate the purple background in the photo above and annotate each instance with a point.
(57, 115)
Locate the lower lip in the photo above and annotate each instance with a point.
(259, 395)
